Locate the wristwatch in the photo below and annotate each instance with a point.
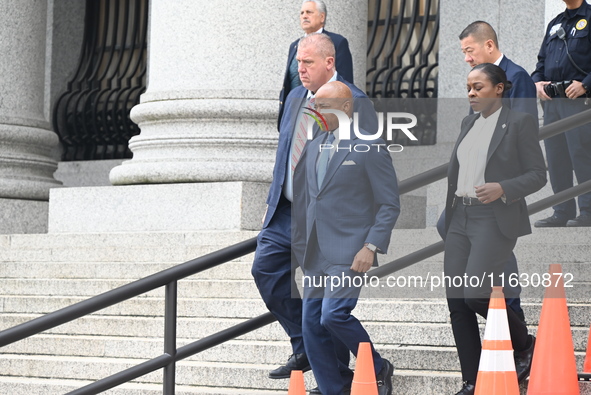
(371, 247)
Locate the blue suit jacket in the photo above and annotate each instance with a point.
(522, 96)
(343, 64)
(357, 202)
(296, 98)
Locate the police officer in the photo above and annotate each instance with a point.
(563, 79)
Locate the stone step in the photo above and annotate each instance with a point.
(42, 386)
(240, 270)
(235, 270)
(175, 247)
(123, 239)
(248, 377)
(408, 383)
(252, 376)
(234, 351)
(198, 288)
(393, 333)
(220, 239)
(429, 310)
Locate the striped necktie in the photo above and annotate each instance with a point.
(300, 136)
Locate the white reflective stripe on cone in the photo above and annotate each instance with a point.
(496, 361)
(499, 331)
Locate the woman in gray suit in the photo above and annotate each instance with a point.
(496, 163)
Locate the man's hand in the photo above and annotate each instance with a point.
(540, 90)
(575, 90)
(363, 260)
(489, 192)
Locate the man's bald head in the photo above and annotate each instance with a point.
(334, 96)
(335, 90)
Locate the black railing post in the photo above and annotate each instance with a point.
(170, 318)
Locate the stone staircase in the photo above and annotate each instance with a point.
(42, 273)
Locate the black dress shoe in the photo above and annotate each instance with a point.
(523, 360)
(295, 362)
(467, 389)
(384, 378)
(580, 221)
(551, 222)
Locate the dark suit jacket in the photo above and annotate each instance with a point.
(522, 96)
(343, 65)
(357, 202)
(514, 160)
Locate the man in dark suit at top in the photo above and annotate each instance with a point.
(275, 260)
(479, 44)
(312, 19)
(353, 205)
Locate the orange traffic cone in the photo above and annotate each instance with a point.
(554, 368)
(364, 379)
(496, 371)
(587, 365)
(296, 383)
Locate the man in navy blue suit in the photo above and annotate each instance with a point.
(353, 205)
(275, 260)
(480, 45)
(312, 20)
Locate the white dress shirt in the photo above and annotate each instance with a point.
(472, 153)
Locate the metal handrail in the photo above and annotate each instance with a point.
(267, 318)
(170, 277)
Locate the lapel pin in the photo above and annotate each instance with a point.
(504, 126)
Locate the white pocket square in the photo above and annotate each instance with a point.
(349, 163)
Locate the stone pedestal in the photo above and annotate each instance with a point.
(152, 208)
(210, 110)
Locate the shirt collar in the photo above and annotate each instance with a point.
(499, 60)
(319, 31)
(310, 95)
(492, 116)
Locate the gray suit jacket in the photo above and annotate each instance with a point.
(514, 160)
(357, 203)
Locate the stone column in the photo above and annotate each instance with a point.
(215, 72)
(27, 144)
